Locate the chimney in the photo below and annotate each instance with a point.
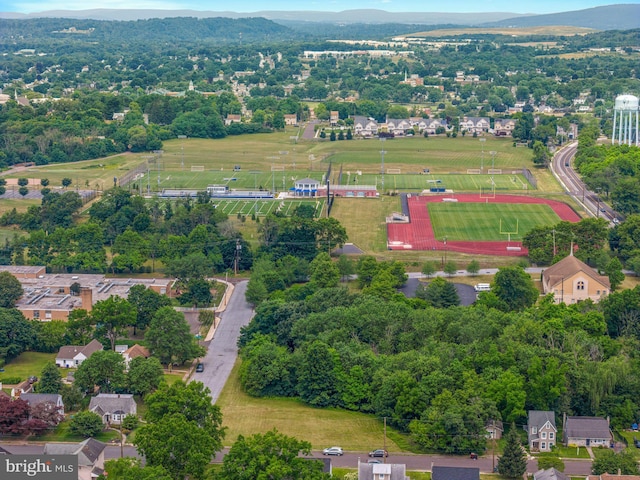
(86, 296)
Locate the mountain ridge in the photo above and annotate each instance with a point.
(608, 17)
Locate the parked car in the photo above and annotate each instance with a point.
(636, 442)
(379, 453)
(373, 460)
(333, 451)
(200, 367)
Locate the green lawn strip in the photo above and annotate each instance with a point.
(566, 452)
(245, 415)
(27, 364)
(172, 378)
(62, 434)
(484, 222)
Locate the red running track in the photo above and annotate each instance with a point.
(418, 233)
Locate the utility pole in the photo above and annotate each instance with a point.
(182, 137)
(384, 443)
(237, 259)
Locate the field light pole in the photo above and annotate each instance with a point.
(382, 152)
(482, 140)
(182, 137)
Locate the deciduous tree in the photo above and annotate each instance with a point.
(250, 458)
(86, 424)
(10, 290)
(170, 339)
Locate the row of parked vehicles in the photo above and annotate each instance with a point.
(339, 452)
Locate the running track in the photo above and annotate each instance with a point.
(418, 233)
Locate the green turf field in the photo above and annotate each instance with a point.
(274, 161)
(482, 221)
(455, 182)
(264, 207)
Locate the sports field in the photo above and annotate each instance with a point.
(467, 223)
(264, 207)
(484, 222)
(455, 182)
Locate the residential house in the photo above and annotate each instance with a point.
(571, 280)
(504, 127)
(382, 471)
(611, 476)
(113, 407)
(291, 119)
(34, 399)
(494, 429)
(550, 474)
(586, 432)
(541, 430)
(399, 126)
(232, 118)
(334, 117)
(365, 127)
(475, 125)
(90, 455)
(73, 356)
(432, 125)
(134, 352)
(455, 473)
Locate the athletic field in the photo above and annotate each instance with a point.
(468, 223)
(488, 221)
(264, 207)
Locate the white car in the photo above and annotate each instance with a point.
(332, 451)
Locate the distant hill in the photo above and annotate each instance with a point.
(372, 16)
(610, 17)
(189, 29)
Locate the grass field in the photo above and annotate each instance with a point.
(517, 31)
(246, 415)
(459, 183)
(484, 222)
(27, 364)
(265, 207)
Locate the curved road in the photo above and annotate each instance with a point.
(222, 351)
(574, 186)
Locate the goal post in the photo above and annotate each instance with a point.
(197, 168)
(509, 233)
(488, 192)
(394, 171)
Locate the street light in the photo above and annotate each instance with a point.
(382, 152)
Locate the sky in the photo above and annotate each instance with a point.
(512, 6)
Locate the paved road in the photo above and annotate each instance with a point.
(350, 460)
(574, 186)
(223, 350)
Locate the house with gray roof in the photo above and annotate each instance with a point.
(541, 430)
(455, 473)
(113, 407)
(90, 455)
(549, 474)
(587, 432)
(71, 356)
(34, 399)
(382, 471)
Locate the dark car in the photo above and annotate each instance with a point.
(200, 367)
(379, 453)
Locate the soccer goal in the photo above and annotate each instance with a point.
(473, 171)
(197, 168)
(277, 168)
(394, 171)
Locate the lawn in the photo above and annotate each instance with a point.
(245, 415)
(485, 222)
(62, 434)
(27, 364)
(265, 207)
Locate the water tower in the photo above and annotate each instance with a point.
(625, 120)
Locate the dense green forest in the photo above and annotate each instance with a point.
(442, 374)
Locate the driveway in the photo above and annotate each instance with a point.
(466, 292)
(223, 350)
